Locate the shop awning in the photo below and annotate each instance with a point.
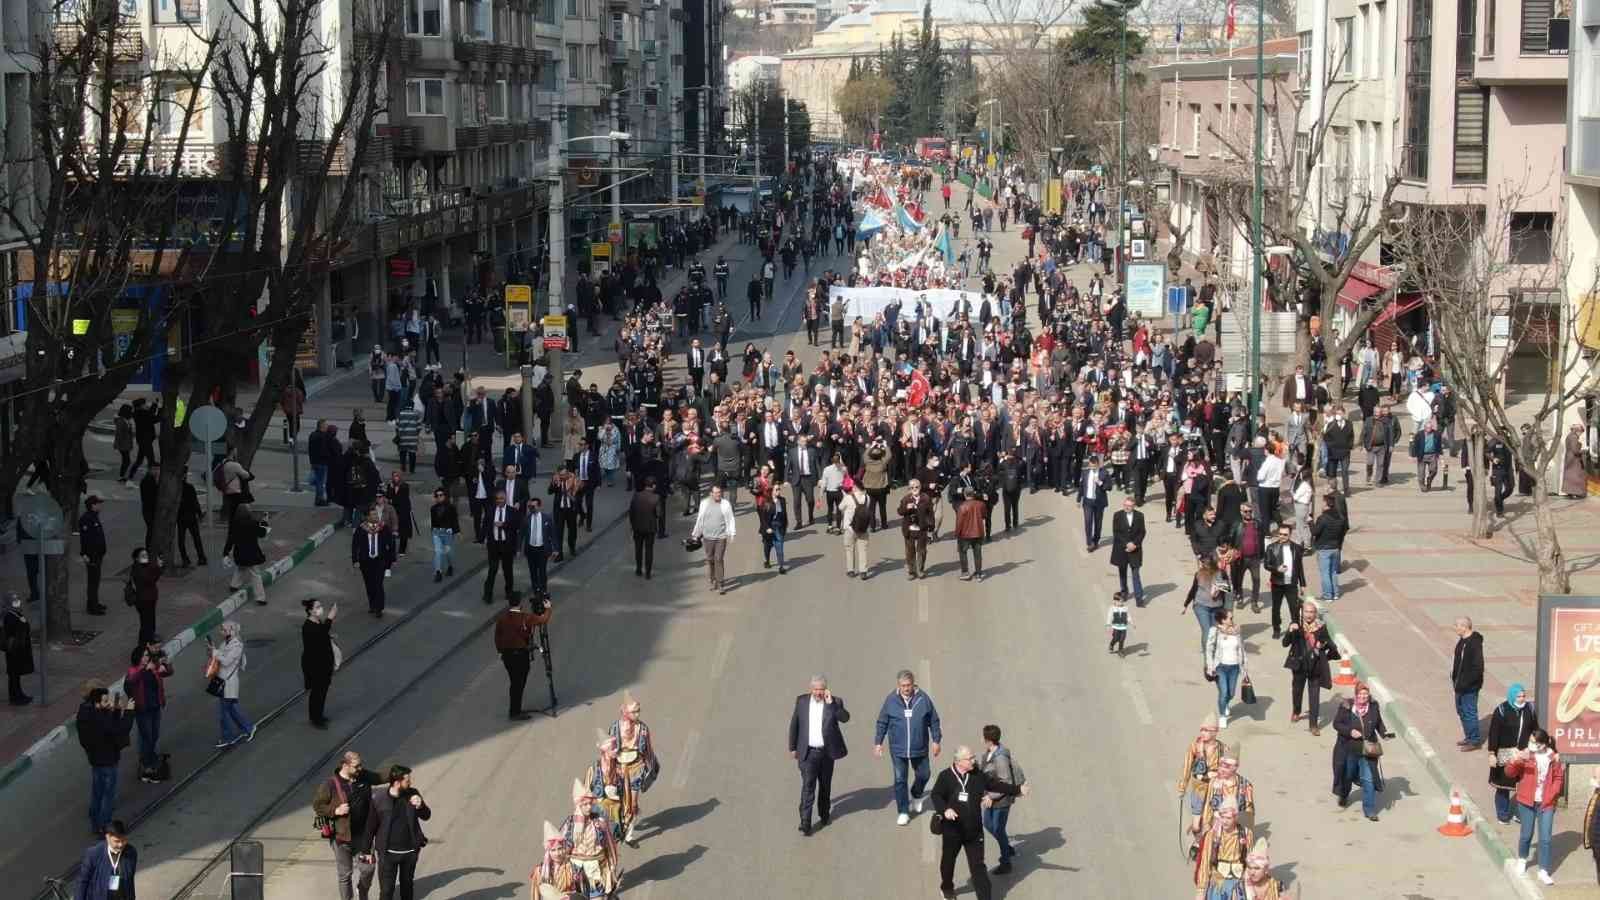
(1399, 307)
(1355, 292)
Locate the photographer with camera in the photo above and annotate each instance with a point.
(513, 637)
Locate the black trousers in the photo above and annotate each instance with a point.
(372, 577)
(567, 524)
(517, 664)
(317, 701)
(644, 551)
(975, 545)
(1236, 573)
(805, 501)
(91, 570)
(816, 783)
(396, 871)
(586, 508)
(500, 560)
(834, 499)
(954, 843)
(1312, 686)
(1170, 484)
(191, 531)
(538, 568)
(1284, 594)
(147, 620)
(1012, 502)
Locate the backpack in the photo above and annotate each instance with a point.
(358, 477)
(130, 592)
(218, 479)
(861, 519)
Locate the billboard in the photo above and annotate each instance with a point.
(1567, 688)
(1147, 283)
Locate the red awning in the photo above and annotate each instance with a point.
(1355, 291)
(1399, 307)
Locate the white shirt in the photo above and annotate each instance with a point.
(815, 718)
(499, 523)
(535, 530)
(1270, 474)
(772, 435)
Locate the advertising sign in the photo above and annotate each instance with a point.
(1567, 688)
(1147, 283)
(555, 332)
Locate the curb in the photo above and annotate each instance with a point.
(1499, 853)
(62, 734)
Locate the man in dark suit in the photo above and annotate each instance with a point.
(1141, 460)
(514, 486)
(773, 439)
(501, 526)
(804, 466)
(586, 465)
(1170, 465)
(372, 551)
(539, 541)
(695, 361)
(816, 743)
(1283, 558)
(1092, 497)
(524, 457)
(1127, 548)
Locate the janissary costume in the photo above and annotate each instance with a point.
(1225, 785)
(637, 752)
(1199, 763)
(557, 877)
(1219, 867)
(607, 781)
(1258, 881)
(594, 850)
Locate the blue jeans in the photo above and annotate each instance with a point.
(1504, 808)
(102, 796)
(1227, 680)
(1545, 818)
(902, 802)
(769, 543)
(1328, 569)
(1359, 768)
(444, 544)
(994, 822)
(1206, 616)
(149, 722)
(230, 719)
(319, 482)
(1467, 712)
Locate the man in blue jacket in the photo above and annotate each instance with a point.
(911, 724)
(107, 869)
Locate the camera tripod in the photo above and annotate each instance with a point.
(541, 646)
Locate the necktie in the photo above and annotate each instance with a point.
(372, 545)
(500, 523)
(583, 468)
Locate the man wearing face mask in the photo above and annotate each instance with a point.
(960, 794)
(1338, 436)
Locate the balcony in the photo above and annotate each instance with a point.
(469, 137)
(473, 50)
(649, 48)
(379, 152)
(127, 44)
(501, 132)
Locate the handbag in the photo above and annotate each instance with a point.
(1370, 748)
(1247, 691)
(936, 824)
(215, 686)
(691, 544)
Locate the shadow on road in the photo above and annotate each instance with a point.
(664, 868)
(433, 881)
(1031, 851)
(862, 800)
(679, 816)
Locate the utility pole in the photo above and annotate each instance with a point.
(704, 141)
(1255, 227)
(1122, 147)
(556, 233)
(672, 154)
(616, 173)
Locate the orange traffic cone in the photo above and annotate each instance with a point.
(1455, 822)
(1347, 673)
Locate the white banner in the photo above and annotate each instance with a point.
(867, 302)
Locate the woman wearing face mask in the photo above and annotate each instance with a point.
(1359, 725)
(17, 640)
(318, 657)
(1539, 774)
(144, 575)
(1510, 725)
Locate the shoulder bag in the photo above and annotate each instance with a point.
(325, 824)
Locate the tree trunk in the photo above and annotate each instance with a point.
(66, 460)
(1547, 547)
(285, 341)
(1482, 527)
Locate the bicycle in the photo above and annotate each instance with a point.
(57, 889)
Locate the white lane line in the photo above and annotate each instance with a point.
(690, 741)
(1460, 587)
(719, 659)
(922, 604)
(925, 678)
(1141, 707)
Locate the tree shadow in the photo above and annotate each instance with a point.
(862, 800)
(665, 867)
(437, 880)
(679, 816)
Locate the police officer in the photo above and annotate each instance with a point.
(721, 271)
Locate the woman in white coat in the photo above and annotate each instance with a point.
(227, 664)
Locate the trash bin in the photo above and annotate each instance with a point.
(500, 339)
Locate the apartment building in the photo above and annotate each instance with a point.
(1582, 209)
(1207, 109)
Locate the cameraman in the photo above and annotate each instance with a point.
(513, 632)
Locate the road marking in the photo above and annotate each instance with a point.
(922, 604)
(925, 680)
(1379, 691)
(1460, 587)
(690, 741)
(719, 659)
(1141, 707)
(1347, 649)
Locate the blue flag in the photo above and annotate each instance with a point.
(943, 246)
(906, 222)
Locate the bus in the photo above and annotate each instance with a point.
(931, 148)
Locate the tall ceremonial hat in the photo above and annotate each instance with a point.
(603, 739)
(551, 835)
(1260, 851)
(580, 791)
(1229, 752)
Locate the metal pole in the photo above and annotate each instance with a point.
(527, 400)
(705, 137)
(1255, 241)
(672, 160)
(616, 174)
(294, 458)
(1122, 141)
(558, 256)
(44, 623)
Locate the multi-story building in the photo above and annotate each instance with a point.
(1582, 212)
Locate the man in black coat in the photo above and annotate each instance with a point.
(92, 549)
(586, 465)
(1466, 679)
(1127, 548)
(816, 742)
(371, 549)
(189, 512)
(957, 797)
(804, 466)
(501, 526)
(1283, 559)
(1339, 436)
(395, 827)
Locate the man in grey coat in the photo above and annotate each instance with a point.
(997, 764)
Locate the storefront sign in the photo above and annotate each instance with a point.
(401, 267)
(555, 332)
(1567, 688)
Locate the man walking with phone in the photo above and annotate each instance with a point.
(816, 743)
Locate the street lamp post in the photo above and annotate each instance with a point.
(1120, 7)
(1255, 238)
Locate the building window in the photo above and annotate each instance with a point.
(173, 100)
(1419, 39)
(1531, 237)
(425, 17)
(1488, 27)
(479, 24)
(1341, 165)
(1472, 135)
(572, 9)
(1466, 34)
(1302, 158)
(1376, 68)
(1194, 129)
(574, 62)
(1536, 26)
(497, 100)
(1304, 70)
(1345, 65)
(425, 97)
(169, 12)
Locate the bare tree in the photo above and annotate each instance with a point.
(92, 197)
(1469, 261)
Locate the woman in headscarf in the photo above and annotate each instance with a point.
(1540, 774)
(557, 877)
(228, 663)
(1509, 727)
(593, 848)
(1310, 648)
(1356, 749)
(637, 753)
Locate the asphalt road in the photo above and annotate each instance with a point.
(1101, 738)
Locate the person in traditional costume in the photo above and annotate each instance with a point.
(1219, 867)
(1199, 763)
(1225, 785)
(589, 834)
(557, 877)
(637, 752)
(607, 781)
(1258, 881)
